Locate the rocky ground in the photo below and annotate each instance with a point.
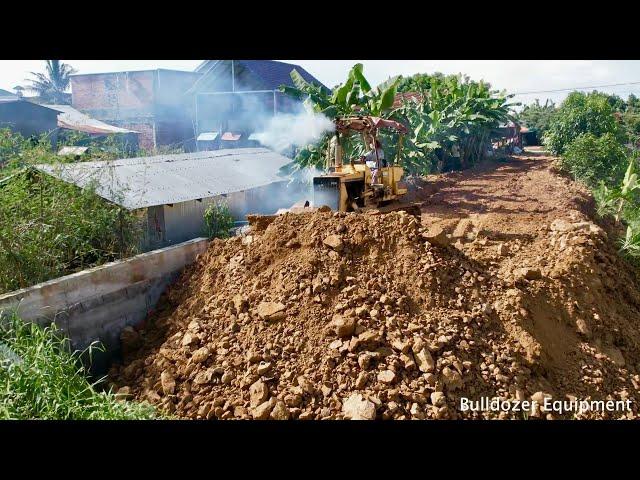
(504, 288)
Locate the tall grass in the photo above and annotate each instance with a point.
(41, 379)
(49, 228)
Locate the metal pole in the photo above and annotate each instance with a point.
(233, 77)
(197, 123)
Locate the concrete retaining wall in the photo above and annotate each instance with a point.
(96, 304)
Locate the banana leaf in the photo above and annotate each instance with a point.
(388, 95)
(299, 82)
(359, 76)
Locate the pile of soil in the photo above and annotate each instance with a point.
(328, 316)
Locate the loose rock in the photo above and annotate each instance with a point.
(357, 407)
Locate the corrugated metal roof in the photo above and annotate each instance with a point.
(73, 119)
(148, 181)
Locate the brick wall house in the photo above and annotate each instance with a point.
(172, 107)
(147, 101)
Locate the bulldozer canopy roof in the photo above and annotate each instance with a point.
(367, 124)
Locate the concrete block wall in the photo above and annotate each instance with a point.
(96, 304)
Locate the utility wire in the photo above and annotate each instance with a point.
(577, 88)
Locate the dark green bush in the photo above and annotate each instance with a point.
(218, 220)
(579, 114)
(594, 159)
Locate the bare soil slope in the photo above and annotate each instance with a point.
(506, 288)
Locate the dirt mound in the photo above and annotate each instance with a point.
(330, 316)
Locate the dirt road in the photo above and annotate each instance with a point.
(521, 214)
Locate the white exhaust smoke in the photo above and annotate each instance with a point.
(286, 130)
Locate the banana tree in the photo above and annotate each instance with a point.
(453, 117)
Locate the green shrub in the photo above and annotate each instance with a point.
(49, 228)
(10, 146)
(581, 114)
(41, 379)
(594, 159)
(218, 220)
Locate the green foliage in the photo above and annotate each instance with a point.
(617, 103)
(419, 82)
(49, 228)
(623, 202)
(631, 123)
(10, 146)
(17, 151)
(218, 220)
(592, 131)
(41, 379)
(631, 242)
(579, 114)
(537, 116)
(452, 119)
(628, 115)
(595, 159)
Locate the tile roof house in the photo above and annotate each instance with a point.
(266, 74)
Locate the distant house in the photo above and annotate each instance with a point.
(148, 101)
(507, 135)
(530, 136)
(401, 98)
(171, 192)
(174, 108)
(27, 118)
(239, 96)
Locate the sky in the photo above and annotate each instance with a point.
(516, 76)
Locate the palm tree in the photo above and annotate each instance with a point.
(51, 87)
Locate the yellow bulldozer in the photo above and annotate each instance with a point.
(367, 182)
